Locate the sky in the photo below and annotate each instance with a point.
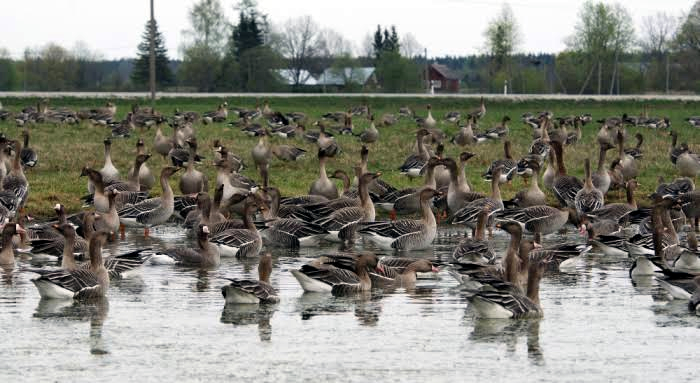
(444, 27)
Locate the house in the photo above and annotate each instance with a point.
(287, 77)
(363, 77)
(443, 79)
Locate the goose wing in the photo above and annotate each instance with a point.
(469, 213)
(134, 210)
(470, 249)
(413, 161)
(518, 304)
(340, 219)
(287, 232)
(263, 291)
(235, 237)
(121, 263)
(74, 280)
(565, 189)
(330, 275)
(392, 229)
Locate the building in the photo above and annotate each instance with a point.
(287, 77)
(443, 79)
(362, 77)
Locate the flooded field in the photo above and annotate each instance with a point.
(170, 323)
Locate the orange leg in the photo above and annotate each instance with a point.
(146, 232)
(122, 231)
(392, 215)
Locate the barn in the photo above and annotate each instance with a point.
(443, 79)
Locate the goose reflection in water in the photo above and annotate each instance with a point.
(250, 314)
(365, 305)
(508, 332)
(94, 310)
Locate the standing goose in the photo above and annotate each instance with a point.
(479, 112)
(261, 152)
(378, 186)
(499, 130)
(406, 234)
(410, 203)
(28, 155)
(477, 248)
(328, 278)
(7, 254)
(588, 198)
(287, 152)
(253, 291)
(616, 211)
(132, 184)
(371, 134)
(110, 173)
(414, 163)
(146, 178)
(688, 163)
(15, 181)
(242, 243)
(288, 232)
(100, 199)
(469, 213)
(322, 185)
(630, 168)
(601, 178)
(466, 134)
(458, 192)
(564, 186)
(674, 151)
(429, 122)
(206, 255)
(342, 223)
(507, 164)
(541, 219)
(533, 195)
(636, 152)
(502, 304)
(153, 211)
(192, 180)
(81, 283)
(163, 144)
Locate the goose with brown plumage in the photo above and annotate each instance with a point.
(205, 255)
(251, 291)
(338, 281)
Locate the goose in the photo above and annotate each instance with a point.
(242, 243)
(163, 144)
(250, 291)
(378, 186)
(429, 122)
(132, 184)
(414, 163)
(338, 281)
(565, 187)
(371, 134)
(588, 198)
(7, 254)
(15, 181)
(109, 222)
(192, 180)
(601, 178)
(688, 260)
(405, 235)
(674, 151)
(405, 111)
(322, 185)
(80, 283)
(503, 304)
(219, 115)
(205, 255)
(630, 168)
(694, 121)
(388, 119)
(109, 172)
(575, 136)
(616, 212)
(153, 211)
(146, 178)
(676, 187)
(276, 209)
(540, 220)
(100, 199)
(326, 143)
(468, 214)
(407, 201)
(688, 163)
(401, 272)
(636, 152)
(342, 223)
(287, 152)
(288, 232)
(690, 203)
(179, 156)
(498, 130)
(261, 153)
(452, 116)
(479, 112)
(507, 164)
(466, 136)
(459, 193)
(55, 244)
(533, 195)
(28, 155)
(476, 249)
(234, 185)
(694, 301)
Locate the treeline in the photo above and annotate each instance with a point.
(604, 55)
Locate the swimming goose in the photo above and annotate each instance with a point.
(405, 234)
(287, 152)
(502, 304)
(564, 186)
(242, 243)
(27, 154)
(371, 134)
(601, 178)
(81, 283)
(153, 211)
(409, 203)
(507, 164)
(7, 254)
(328, 278)
(253, 291)
(688, 261)
(322, 185)
(400, 272)
(288, 232)
(192, 180)
(342, 223)
(475, 249)
(540, 220)
(616, 212)
(205, 255)
(414, 163)
(146, 178)
(468, 214)
(15, 180)
(588, 198)
(533, 195)
(458, 192)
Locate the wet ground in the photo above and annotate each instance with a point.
(170, 323)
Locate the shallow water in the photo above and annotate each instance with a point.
(171, 323)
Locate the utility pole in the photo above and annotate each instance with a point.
(427, 73)
(152, 58)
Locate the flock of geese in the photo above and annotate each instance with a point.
(244, 215)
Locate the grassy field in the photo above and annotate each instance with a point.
(64, 150)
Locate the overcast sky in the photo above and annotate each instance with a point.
(453, 27)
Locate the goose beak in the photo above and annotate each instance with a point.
(380, 269)
(582, 229)
(435, 270)
(537, 245)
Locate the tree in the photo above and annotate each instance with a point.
(140, 75)
(200, 68)
(658, 33)
(8, 72)
(378, 43)
(602, 32)
(208, 25)
(689, 32)
(502, 38)
(398, 74)
(410, 47)
(250, 30)
(300, 42)
(201, 63)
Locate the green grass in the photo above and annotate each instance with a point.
(64, 150)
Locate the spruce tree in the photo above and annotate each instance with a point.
(140, 73)
(378, 44)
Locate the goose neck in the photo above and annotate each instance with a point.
(68, 261)
(533, 282)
